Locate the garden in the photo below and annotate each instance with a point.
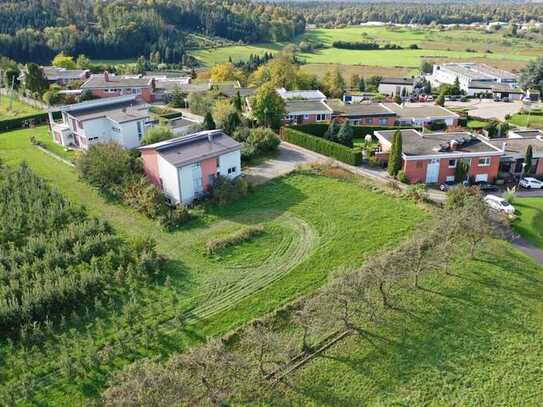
(530, 219)
(279, 242)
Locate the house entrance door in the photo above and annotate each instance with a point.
(432, 171)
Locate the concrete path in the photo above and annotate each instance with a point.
(488, 109)
(527, 248)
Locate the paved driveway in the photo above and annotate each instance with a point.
(288, 159)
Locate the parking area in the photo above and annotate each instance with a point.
(488, 109)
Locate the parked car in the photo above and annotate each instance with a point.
(447, 185)
(485, 186)
(529, 183)
(430, 98)
(499, 204)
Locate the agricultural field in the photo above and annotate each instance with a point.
(18, 108)
(530, 221)
(453, 45)
(197, 295)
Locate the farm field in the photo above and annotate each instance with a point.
(471, 338)
(18, 108)
(198, 295)
(454, 45)
(530, 221)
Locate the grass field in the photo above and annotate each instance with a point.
(305, 238)
(530, 221)
(454, 45)
(473, 338)
(525, 120)
(17, 108)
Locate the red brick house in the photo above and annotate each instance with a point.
(109, 85)
(432, 158)
(514, 151)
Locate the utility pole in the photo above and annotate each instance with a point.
(11, 98)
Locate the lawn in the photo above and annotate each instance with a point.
(530, 221)
(527, 120)
(305, 238)
(472, 338)
(10, 109)
(454, 45)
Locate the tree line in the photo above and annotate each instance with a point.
(36, 30)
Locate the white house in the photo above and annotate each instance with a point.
(472, 77)
(186, 167)
(118, 119)
(396, 86)
(422, 114)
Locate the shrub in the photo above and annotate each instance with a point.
(510, 195)
(458, 196)
(107, 166)
(402, 177)
(215, 245)
(345, 154)
(437, 125)
(225, 190)
(157, 134)
(263, 140)
(416, 192)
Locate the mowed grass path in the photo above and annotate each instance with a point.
(474, 338)
(313, 226)
(530, 219)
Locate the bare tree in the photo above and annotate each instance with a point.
(386, 270)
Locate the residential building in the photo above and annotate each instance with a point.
(354, 96)
(495, 90)
(63, 76)
(422, 114)
(514, 152)
(396, 86)
(376, 114)
(469, 72)
(433, 157)
(109, 85)
(301, 94)
(118, 119)
(305, 106)
(184, 168)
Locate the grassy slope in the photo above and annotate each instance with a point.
(436, 45)
(18, 108)
(306, 238)
(470, 339)
(530, 221)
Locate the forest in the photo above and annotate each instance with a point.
(35, 30)
(330, 14)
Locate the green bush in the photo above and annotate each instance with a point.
(319, 129)
(263, 140)
(347, 155)
(215, 245)
(225, 191)
(402, 177)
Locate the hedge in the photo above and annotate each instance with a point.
(173, 115)
(17, 122)
(352, 156)
(318, 129)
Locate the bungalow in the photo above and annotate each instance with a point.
(109, 85)
(121, 120)
(396, 86)
(422, 114)
(305, 106)
(362, 113)
(433, 157)
(514, 152)
(63, 76)
(185, 167)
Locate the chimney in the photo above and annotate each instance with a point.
(453, 144)
(106, 76)
(210, 137)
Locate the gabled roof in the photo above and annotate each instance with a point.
(194, 147)
(54, 73)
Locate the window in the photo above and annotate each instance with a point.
(450, 178)
(306, 116)
(383, 121)
(484, 162)
(321, 117)
(115, 129)
(232, 170)
(369, 120)
(452, 163)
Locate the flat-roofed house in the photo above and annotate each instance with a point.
(184, 168)
(422, 114)
(121, 120)
(362, 113)
(396, 86)
(514, 151)
(109, 85)
(63, 76)
(432, 157)
(471, 74)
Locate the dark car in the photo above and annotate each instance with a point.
(447, 185)
(486, 186)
